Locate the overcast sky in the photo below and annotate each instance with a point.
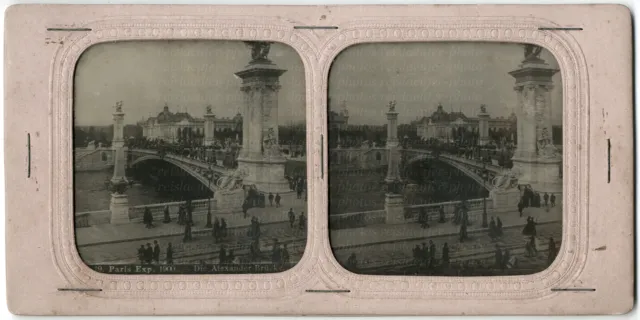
(461, 76)
(187, 75)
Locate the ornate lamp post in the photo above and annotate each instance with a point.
(484, 199)
(210, 177)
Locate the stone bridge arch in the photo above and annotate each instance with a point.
(195, 171)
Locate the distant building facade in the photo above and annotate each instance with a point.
(443, 125)
(170, 127)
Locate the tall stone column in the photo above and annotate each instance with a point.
(394, 200)
(260, 158)
(119, 205)
(536, 160)
(483, 126)
(209, 127)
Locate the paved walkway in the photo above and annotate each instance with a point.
(389, 233)
(108, 233)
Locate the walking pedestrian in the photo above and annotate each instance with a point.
(187, 232)
(445, 255)
(169, 254)
(223, 228)
(222, 255)
(432, 254)
(553, 200)
(498, 258)
(216, 230)
(156, 251)
(302, 221)
(292, 217)
(546, 199)
(148, 254)
(167, 217)
(441, 212)
(270, 199)
(141, 252)
(278, 198)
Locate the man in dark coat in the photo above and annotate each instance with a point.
(169, 254)
(292, 217)
(276, 254)
(492, 229)
(223, 228)
(445, 254)
(148, 217)
(546, 199)
(148, 254)
(424, 255)
(432, 254)
(278, 198)
(553, 200)
(302, 220)
(216, 230)
(187, 232)
(223, 255)
(167, 217)
(141, 252)
(521, 206)
(245, 207)
(498, 227)
(270, 199)
(441, 212)
(463, 231)
(156, 251)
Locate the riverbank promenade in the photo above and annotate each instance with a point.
(136, 231)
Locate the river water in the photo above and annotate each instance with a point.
(364, 190)
(92, 194)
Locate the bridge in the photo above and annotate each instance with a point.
(93, 159)
(375, 157)
(208, 173)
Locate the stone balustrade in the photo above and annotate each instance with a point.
(157, 210)
(91, 218)
(361, 219)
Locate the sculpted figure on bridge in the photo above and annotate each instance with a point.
(232, 181)
(507, 180)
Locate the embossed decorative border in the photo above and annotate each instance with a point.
(68, 261)
(573, 253)
(318, 269)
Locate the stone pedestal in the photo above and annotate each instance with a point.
(119, 208)
(483, 128)
(229, 201)
(394, 208)
(505, 200)
(536, 161)
(209, 128)
(260, 157)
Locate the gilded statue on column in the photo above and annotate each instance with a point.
(118, 107)
(259, 51)
(532, 53)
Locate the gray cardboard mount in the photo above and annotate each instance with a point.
(597, 244)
